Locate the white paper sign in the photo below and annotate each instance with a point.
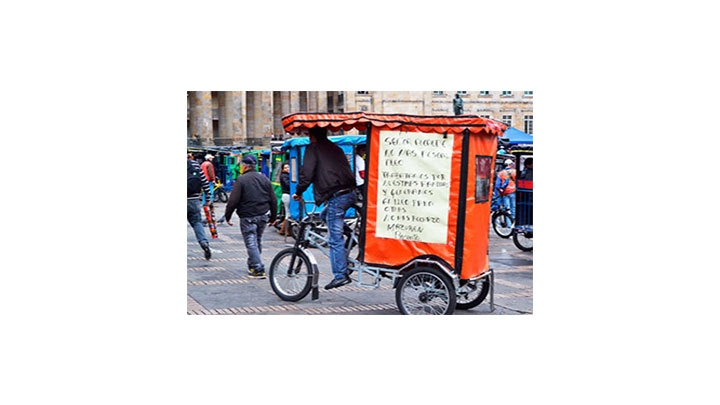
(414, 186)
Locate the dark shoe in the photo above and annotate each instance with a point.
(338, 282)
(206, 248)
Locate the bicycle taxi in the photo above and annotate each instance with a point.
(522, 232)
(424, 224)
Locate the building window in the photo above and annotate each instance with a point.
(528, 119)
(528, 93)
(507, 120)
(437, 93)
(506, 93)
(363, 92)
(485, 116)
(462, 93)
(485, 93)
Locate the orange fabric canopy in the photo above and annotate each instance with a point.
(398, 122)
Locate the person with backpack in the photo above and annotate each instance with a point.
(196, 184)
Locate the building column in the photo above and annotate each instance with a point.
(262, 119)
(294, 102)
(350, 102)
(277, 114)
(322, 104)
(312, 102)
(285, 102)
(238, 131)
(201, 117)
(242, 104)
(229, 117)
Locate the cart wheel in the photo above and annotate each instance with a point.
(499, 224)
(425, 291)
(472, 293)
(223, 196)
(522, 241)
(291, 284)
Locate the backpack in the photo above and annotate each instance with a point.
(194, 183)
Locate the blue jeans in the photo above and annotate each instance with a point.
(334, 215)
(252, 229)
(194, 217)
(208, 197)
(509, 201)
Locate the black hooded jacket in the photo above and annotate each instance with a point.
(252, 195)
(327, 168)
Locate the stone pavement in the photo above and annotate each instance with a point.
(220, 286)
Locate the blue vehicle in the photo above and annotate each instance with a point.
(522, 232)
(295, 148)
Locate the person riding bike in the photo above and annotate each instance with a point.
(505, 185)
(327, 168)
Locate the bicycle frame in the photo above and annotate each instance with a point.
(310, 238)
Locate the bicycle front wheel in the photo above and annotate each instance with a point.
(500, 224)
(291, 274)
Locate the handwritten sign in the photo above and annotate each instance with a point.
(414, 186)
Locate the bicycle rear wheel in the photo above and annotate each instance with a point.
(425, 291)
(472, 293)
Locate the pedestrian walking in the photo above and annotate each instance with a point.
(326, 167)
(285, 188)
(209, 170)
(196, 184)
(254, 200)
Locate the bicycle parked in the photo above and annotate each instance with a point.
(219, 193)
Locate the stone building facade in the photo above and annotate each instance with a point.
(252, 118)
